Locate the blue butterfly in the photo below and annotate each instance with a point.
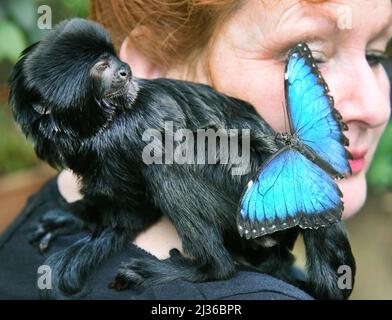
(295, 186)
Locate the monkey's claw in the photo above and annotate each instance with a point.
(52, 224)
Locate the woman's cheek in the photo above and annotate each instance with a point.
(354, 191)
(270, 104)
(261, 86)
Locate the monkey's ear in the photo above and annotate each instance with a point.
(141, 66)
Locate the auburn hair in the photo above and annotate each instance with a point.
(167, 32)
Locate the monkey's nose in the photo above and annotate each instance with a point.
(123, 73)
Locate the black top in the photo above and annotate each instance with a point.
(19, 263)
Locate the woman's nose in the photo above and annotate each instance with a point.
(362, 94)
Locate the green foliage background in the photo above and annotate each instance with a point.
(18, 29)
(380, 173)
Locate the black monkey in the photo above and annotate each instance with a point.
(85, 111)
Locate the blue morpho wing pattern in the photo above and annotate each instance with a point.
(285, 200)
(312, 115)
(295, 187)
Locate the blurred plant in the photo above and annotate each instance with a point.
(18, 29)
(12, 42)
(380, 173)
(16, 152)
(77, 7)
(18, 24)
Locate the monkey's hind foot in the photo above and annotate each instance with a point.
(52, 224)
(147, 272)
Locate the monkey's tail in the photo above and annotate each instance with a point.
(71, 267)
(330, 263)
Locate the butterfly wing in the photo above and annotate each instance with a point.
(288, 190)
(312, 115)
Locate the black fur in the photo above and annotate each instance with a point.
(85, 111)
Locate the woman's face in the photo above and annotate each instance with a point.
(248, 56)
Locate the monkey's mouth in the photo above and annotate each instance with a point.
(122, 90)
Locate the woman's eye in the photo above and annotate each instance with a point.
(319, 57)
(318, 60)
(375, 59)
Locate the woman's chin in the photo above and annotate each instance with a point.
(354, 191)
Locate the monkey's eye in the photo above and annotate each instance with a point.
(102, 66)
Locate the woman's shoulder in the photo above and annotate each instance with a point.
(20, 263)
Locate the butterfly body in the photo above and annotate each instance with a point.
(296, 186)
(292, 141)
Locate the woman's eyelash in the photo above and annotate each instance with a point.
(318, 60)
(375, 59)
(318, 57)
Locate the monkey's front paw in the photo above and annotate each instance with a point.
(52, 224)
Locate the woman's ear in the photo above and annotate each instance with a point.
(141, 66)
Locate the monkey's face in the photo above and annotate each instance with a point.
(68, 87)
(111, 77)
(71, 84)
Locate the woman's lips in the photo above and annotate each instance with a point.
(357, 164)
